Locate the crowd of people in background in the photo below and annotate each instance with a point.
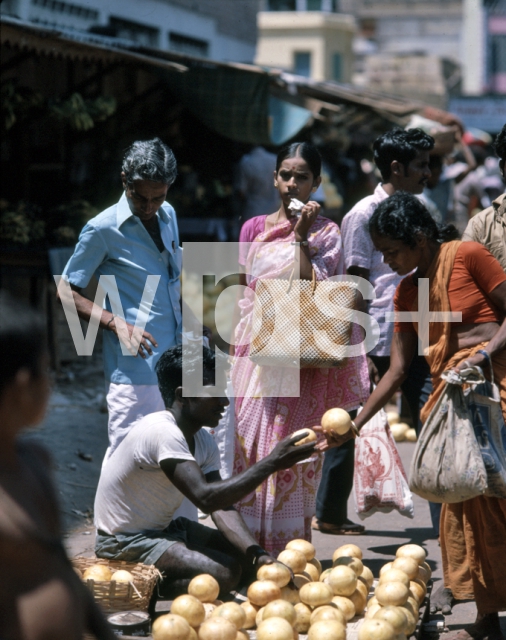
(160, 451)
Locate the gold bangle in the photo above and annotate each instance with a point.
(355, 430)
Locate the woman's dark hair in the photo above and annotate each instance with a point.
(303, 150)
(402, 145)
(169, 369)
(500, 144)
(22, 339)
(403, 217)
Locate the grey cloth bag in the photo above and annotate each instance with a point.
(447, 465)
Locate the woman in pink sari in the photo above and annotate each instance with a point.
(281, 509)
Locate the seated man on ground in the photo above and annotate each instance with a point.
(167, 456)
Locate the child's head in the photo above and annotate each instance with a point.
(298, 169)
(23, 361)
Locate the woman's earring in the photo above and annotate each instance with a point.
(275, 184)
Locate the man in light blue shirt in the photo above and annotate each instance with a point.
(135, 238)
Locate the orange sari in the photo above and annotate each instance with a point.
(473, 533)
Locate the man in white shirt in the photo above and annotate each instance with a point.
(402, 157)
(168, 456)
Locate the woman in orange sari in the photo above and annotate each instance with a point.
(465, 277)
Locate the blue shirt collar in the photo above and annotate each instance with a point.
(123, 211)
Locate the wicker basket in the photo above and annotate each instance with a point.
(121, 596)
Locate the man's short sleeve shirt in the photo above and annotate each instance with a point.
(133, 493)
(115, 243)
(359, 251)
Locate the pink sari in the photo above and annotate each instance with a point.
(282, 507)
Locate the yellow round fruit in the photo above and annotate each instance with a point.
(395, 593)
(217, 629)
(423, 574)
(294, 559)
(275, 629)
(419, 590)
(411, 435)
(408, 565)
(316, 594)
(362, 586)
(277, 572)
(324, 575)
(394, 575)
(354, 563)
(372, 609)
(217, 603)
(193, 634)
(337, 420)
(263, 591)
(412, 551)
(316, 563)
(190, 608)
(242, 634)
(412, 616)
(98, 573)
(122, 576)
(279, 609)
(396, 616)
(399, 430)
(375, 629)
(349, 550)
(385, 567)
(290, 595)
(233, 612)
(78, 572)
(171, 627)
(327, 612)
(302, 617)
(425, 565)
(346, 606)
(209, 607)
(304, 547)
(393, 417)
(312, 572)
(311, 436)
(250, 613)
(327, 630)
(413, 602)
(359, 600)
(342, 580)
(367, 575)
(300, 579)
(204, 587)
(259, 616)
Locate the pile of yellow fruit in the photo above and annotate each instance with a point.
(321, 603)
(400, 430)
(102, 573)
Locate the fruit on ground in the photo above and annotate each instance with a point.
(290, 595)
(275, 629)
(261, 592)
(359, 600)
(411, 435)
(327, 612)
(385, 567)
(374, 629)
(396, 616)
(303, 546)
(171, 627)
(316, 563)
(392, 417)
(217, 629)
(279, 609)
(190, 608)
(277, 572)
(300, 579)
(316, 594)
(312, 572)
(250, 613)
(392, 593)
(337, 420)
(302, 617)
(418, 589)
(346, 606)
(294, 559)
(327, 630)
(412, 551)
(399, 430)
(342, 580)
(97, 572)
(394, 575)
(348, 561)
(122, 576)
(204, 587)
(350, 550)
(233, 612)
(367, 575)
(406, 564)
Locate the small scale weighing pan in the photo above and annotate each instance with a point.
(130, 623)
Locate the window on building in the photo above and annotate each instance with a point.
(140, 33)
(337, 67)
(302, 63)
(185, 44)
(281, 5)
(498, 63)
(67, 8)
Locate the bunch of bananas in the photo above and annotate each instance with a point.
(82, 114)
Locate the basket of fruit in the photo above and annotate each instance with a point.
(117, 585)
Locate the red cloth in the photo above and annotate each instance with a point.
(475, 274)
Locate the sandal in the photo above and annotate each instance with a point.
(347, 528)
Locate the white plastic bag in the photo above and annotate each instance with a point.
(380, 482)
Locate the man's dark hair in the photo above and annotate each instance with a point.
(402, 145)
(22, 339)
(169, 369)
(404, 217)
(149, 160)
(500, 144)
